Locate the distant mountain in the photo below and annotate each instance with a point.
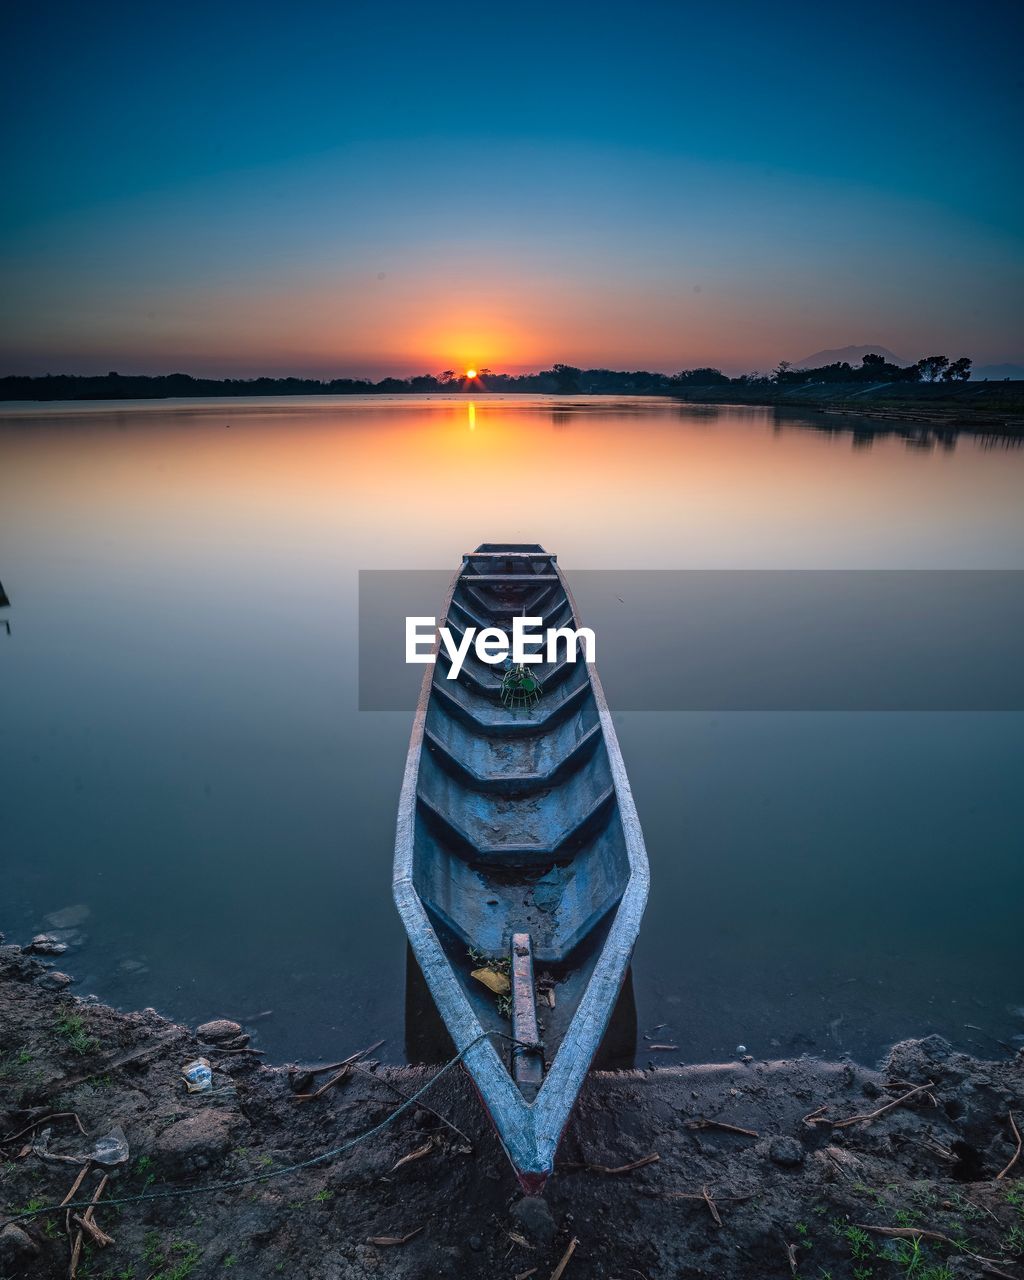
(852, 356)
(997, 372)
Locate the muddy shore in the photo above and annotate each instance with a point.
(749, 1169)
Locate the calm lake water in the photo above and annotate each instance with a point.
(183, 754)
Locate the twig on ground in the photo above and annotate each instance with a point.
(302, 1080)
(336, 1079)
(76, 1253)
(54, 1115)
(96, 1232)
(88, 1218)
(701, 1122)
(712, 1208)
(517, 1240)
(912, 1233)
(393, 1240)
(1016, 1155)
(980, 1208)
(689, 1195)
(936, 1148)
(525, 1275)
(52, 1155)
(667, 1047)
(75, 1241)
(418, 1154)
(75, 1185)
(896, 1102)
(559, 1271)
(791, 1255)
(612, 1170)
(816, 1117)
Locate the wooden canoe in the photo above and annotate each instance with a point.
(519, 854)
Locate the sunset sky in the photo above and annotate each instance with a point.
(395, 188)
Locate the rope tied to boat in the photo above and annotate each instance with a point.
(519, 1047)
(267, 1176)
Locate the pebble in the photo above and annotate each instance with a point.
(47, 944)
(475, 1243)
(786, 1152)
(534, 1218)
(54, 981)
(196, 1143)
(16, 1246)
(217, 1030)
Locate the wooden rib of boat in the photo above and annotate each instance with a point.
(519, 851)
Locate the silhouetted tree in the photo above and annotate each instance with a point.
(958, 371)
(699, 378)
(933, 367)
(567, 378)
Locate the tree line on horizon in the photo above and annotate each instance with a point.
(560, 379)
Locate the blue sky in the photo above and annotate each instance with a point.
(391, 187)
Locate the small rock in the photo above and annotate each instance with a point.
(16, 1246)
(916, 1060)
(195, 1143)
(786, 1152)
(870, 1090)
(534, 1218)
(218, 1031)
(47, 944)
(422, 1119)
(475, 1243)
(54, 980)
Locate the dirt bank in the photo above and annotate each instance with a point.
(790, 1188)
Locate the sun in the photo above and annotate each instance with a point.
(470, 373)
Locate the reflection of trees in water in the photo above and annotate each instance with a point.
(560, 417)
(4, 604)
(917, 437)
(993, 441)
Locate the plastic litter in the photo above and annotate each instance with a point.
(198, 1076)
(112, 1148)
(741, 1048)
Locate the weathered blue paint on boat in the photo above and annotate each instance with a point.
(519, 822)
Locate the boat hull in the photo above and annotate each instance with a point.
(520, 824)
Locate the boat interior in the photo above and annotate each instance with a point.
(520, 856)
